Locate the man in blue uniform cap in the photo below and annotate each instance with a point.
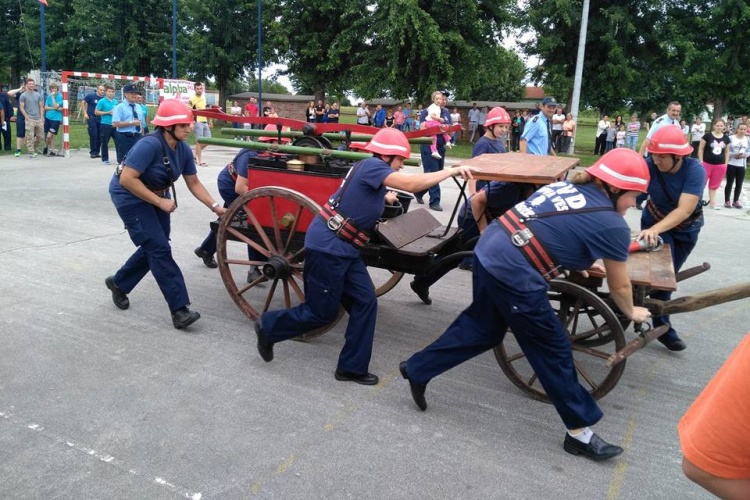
(537, 134)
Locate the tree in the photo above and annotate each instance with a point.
(215, 41)
(321, 42)
(417, 46)
(17, 59)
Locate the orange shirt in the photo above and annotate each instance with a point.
(715, 430)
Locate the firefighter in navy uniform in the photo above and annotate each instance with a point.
(562, 225)
(141, 195)
(674, 210)
(334, 272)
(232, 183)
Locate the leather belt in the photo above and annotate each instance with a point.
(161, 193)
(343, 227)
(529, 245)
(129, 134)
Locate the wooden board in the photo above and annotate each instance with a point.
(415, 233)
(520, 167)
(650, 269)
(402, 230)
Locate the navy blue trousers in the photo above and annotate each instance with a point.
(331, 280)
(123, 144)
(94, 140)
(149, 229)
(682, 244)
(105, 134)
(482, 326)
(430, 164)
(209, 244)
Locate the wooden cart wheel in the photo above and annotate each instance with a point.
(585, 316)
(384, 280)
(280, 242)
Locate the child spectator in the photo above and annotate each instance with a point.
(621, 137)
(611, 136)
(434, 120)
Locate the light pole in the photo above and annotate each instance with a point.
(260, 63)
(579, 72)
(174, 39)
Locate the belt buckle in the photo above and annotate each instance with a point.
(521, 237)
(335, 222)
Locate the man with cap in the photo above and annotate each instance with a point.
(537, 134)
(127, 120)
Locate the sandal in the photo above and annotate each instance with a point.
(203, 164)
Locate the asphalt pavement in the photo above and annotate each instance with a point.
(96, 402)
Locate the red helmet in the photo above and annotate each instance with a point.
(622, 168)
(669, 140)
(272, 128)
(389, 142)
(172, 112)
(497, 116)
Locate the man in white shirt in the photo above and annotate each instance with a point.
(600, 144)
(363, 114)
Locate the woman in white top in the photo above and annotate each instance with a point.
(456, 120)
(739, 147)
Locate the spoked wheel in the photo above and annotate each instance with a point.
(587, 319)
(384, 280)
(268, 220)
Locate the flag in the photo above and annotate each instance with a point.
(44, 2)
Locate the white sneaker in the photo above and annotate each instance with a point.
(449, 145)
(716, 206)
(437, 156)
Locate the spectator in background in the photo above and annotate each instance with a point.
(310, 112)
(650, 121)
(611, 137)
(267, 108)
(127, 120)
(363, 114)
(236, 110)
(15, 94)
(633, 129)
(31, 106)
(320, 111)
(569, 130)
(104, 109)
(456, 120)
(251, 109)
(407, 118)
(482, 119)
(620, 137)
(557, 122)
(600, 143)
(334, 113)
(739, 150)
(144, 113)
(390, 122)
(685, 129)
(7, 109)
(52, 117)
(378, 118)
(92, 120)
(697, 131)
(326, 110)
(399, 118)
(713, 153)
(536, 138)
(202, 124)
(516, 125)
(430, 163)
(473, 122)
(714, 434)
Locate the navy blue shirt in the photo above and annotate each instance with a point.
(240, 163)
(574, 240)
(363, 201)
(147, 157)
(91, 100)
(500, 197)
(689, 179)
(6, 105)
(487, 145)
